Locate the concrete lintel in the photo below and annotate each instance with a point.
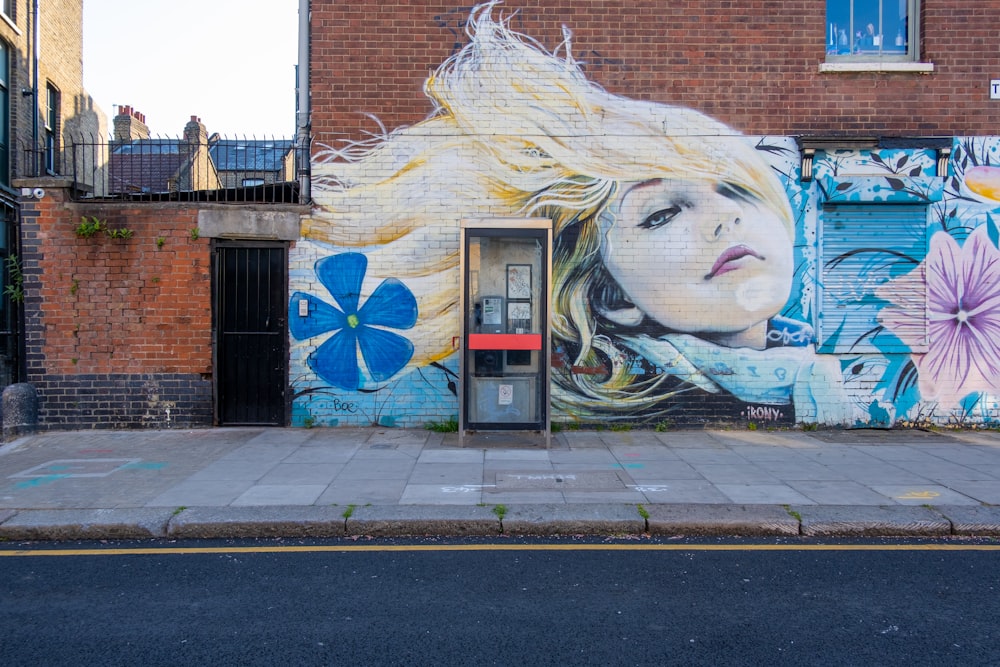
(247, 223)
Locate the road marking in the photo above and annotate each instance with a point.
(918, 495)
(349, 548)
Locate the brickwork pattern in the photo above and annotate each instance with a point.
(752, 64)
(60, 63)
(118, 331)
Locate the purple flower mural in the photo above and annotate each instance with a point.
(391, 305)
(962, 315)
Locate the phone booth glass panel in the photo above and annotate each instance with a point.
(505, 325)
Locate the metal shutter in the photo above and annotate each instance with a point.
(861, 247)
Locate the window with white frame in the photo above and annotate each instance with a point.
(872, 30)
(51, 129)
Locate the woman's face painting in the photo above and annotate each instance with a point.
(697, 256)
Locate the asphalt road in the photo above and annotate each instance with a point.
(565, 602)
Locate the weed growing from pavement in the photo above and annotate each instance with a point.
(792, 513)
(348, 512)
(500, 511)
(449, 426)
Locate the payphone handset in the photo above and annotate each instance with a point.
(492, 315)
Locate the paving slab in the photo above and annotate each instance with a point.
(279, 494)
(984, 492)
(762, 494)
(200, 492)
(729, 519)
(82, 524)
(360, 491)
(924, 494)
(870, 521)
(682, 491)
(438, 494)
(838, 492)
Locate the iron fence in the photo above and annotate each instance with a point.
(162, 169)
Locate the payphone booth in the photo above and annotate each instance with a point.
(505, 303)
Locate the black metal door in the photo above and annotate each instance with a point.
(251, 337)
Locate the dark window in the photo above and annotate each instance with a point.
(4, 114)
(51, 129)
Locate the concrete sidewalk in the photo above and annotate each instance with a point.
(257, 482)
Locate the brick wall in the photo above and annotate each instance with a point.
(752, 64)
(118, 331)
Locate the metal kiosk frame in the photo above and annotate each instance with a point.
(504, 354)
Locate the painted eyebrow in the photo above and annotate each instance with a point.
(736, 192)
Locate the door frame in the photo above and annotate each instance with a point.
(219, 245)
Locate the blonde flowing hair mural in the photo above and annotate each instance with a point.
(516, 131)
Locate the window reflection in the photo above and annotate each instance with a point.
(867, 27)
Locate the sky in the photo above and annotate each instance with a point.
(229, 62)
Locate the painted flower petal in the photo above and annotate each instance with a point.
(964, 319)
(384, 352)
(336, 360)
(342, 275)
(322, 317)
(392, 304)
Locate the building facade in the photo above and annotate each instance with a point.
(762, 212)
(46, 112)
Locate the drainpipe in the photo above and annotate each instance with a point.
(302, 158)
(36, 49)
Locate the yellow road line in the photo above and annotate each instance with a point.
(352, 548)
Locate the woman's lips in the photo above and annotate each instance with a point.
(727, 261)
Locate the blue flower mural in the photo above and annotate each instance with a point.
(391, 305)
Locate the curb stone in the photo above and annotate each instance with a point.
(407, 520)
(573, 519)
(259, 521)
(709, 519)
(972, 519)
(869, 521)
(76, 524)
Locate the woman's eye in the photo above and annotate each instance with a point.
(660, 218)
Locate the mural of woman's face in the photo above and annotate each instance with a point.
(700, 257)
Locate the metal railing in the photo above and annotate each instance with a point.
(218, 169)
